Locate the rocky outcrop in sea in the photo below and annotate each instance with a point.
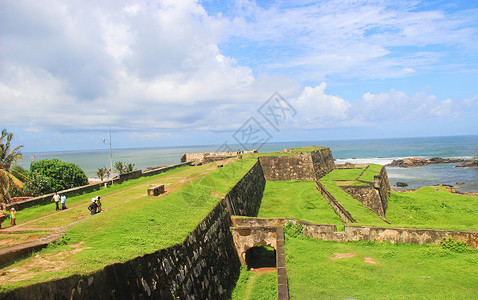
(414, 162)
(467, 164)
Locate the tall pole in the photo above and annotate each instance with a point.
(111, 160)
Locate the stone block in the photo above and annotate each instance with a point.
(156, 191)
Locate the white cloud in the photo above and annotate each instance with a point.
(317, 109)
(365, 39)
(140, 66)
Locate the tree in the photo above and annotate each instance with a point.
(8, 158)
(119, 167)
(62, 175)
(102, 173)
(129, 167)
(122, 167)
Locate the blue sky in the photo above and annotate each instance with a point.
(171, 73)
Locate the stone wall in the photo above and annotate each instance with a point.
(323, 162)
(350, 166)
(408, 235)
(164, 169)
(204, 266)
(212, 156)
(302, 167)
(244, 199)
(368, 196)
(382, 184)
(286, 168)
(368, 233)
(338, 208)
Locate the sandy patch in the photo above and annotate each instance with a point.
(38, 264)
(343, 255)
(263, 270)
(370, 260)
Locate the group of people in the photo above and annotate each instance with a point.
(59, 200)
(95, 206)
(4, 214)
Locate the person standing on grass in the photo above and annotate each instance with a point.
(12, 217)
(63, 202)
(56, 198)
(93, 206)
(98, 203)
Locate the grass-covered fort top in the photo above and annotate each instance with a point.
(307, 149)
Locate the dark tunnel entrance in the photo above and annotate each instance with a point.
(260, 257)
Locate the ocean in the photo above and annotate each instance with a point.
(379, 151)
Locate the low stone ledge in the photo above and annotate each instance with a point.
(9, 254)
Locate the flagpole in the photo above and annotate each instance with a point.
(111, 160)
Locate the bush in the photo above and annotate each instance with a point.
(62, 175)
(293, 230)
(455, 246)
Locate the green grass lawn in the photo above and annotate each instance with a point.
(252, 286)
(256, 155)
(403, 271)
(307, 149)
(38, 211)
(372, 170)
(343, 174)
(297, 199)
(433, 207)
(143, 225)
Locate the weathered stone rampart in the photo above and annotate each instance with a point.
(212, 156)
(305, 166)
(245, 197)
(204, 266)
(323, 162)
(368, 196)
(368, 233)
(286, 168)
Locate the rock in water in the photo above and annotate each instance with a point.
(472, 164)
(401, 184)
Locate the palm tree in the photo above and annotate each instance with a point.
(8, 158)
(103, 173)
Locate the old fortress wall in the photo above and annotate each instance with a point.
(207, 263)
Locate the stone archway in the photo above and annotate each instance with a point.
(261, 257)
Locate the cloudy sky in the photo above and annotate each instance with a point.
(168, 73)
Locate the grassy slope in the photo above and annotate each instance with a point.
(37, 211)
(403, 271)
(299, 199)
(256, 155)
(141, 226)
(343, 174)
(252, 286)
(371, 171)
(431, 207)
(361, 214)
(307, 149)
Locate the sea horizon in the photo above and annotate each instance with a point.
(374, 150)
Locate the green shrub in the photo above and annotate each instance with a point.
(455, 246)
(63, 175)
(293, 230)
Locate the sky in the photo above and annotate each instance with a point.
(177, 73)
